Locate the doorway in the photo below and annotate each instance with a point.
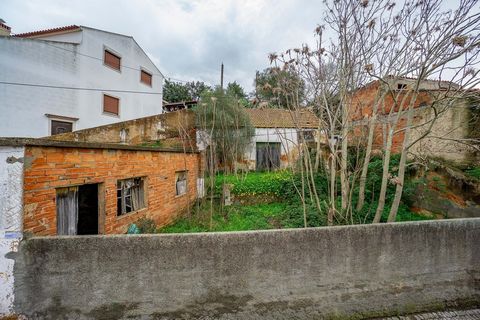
(267, 156)
(78, 210)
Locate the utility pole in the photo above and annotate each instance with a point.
(221, 77)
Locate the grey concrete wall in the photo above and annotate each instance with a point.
(285, 274)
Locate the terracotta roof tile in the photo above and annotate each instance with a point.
(47, 31)
(282, 118)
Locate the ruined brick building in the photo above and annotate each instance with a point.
(456, 111)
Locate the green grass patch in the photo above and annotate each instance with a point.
(287, 212)
(233, 218)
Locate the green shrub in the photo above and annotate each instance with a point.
(293, 216)
(475, 172)
(255, 183)
(146, 225)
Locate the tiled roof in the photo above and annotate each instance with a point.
(282, 118)
(47, 31)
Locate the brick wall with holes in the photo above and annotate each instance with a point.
(48, 168)
(361, 110)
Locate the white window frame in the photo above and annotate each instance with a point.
(149, 72)
(114, 52)
(52, 117)
(105, 113)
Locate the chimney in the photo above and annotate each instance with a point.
(4, 29)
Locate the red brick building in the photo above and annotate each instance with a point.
(362, 106)
(104, 187)
(454, 122)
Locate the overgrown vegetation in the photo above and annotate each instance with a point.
(224, 126)
(287, 211)
(474, 172)
(255, 183)
(234, 218)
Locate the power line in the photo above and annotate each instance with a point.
(122, 65)
(75, 88)
(100, 59)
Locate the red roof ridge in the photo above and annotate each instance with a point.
(47, 31)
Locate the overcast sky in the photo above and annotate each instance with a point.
(187, 40)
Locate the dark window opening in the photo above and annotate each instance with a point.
(61, 127)
(267, 156)
(401, 86)
(130, 195)
(77, 210)
(306, 135)
(111, 60)
(180, 182)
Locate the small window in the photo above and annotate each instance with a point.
(401, 86)
(61, 127)
(130, 195)
(180, 182)
(110, 104)
(146, 77)
(112, 60)
(306, 135)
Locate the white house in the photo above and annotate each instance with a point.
(276, 143)
(278, 135)
(71, 78)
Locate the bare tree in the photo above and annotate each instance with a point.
(384, 43)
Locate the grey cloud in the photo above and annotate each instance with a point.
(189, 39)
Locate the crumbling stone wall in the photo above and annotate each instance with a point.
(448, 135)
(174, 129)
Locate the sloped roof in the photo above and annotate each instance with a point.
(48, 31)
(74, 28)
(282, 118)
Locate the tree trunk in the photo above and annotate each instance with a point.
(383, 188)
(366, 161)
(318, 154)
(343, 162)
(331, 211)
(392, 216)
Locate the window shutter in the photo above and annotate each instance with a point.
(146, 78)
(112, 60)
(110, 104)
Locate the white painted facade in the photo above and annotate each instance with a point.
(11, 193)
(287, 137)
(73, 59)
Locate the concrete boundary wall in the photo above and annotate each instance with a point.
(284, 274)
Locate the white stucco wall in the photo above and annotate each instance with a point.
(287, 137)
(53, 63)
(11, 191)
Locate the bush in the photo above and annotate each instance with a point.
(146, 225)
(475, 172)
(255, 183)
(293, 217)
